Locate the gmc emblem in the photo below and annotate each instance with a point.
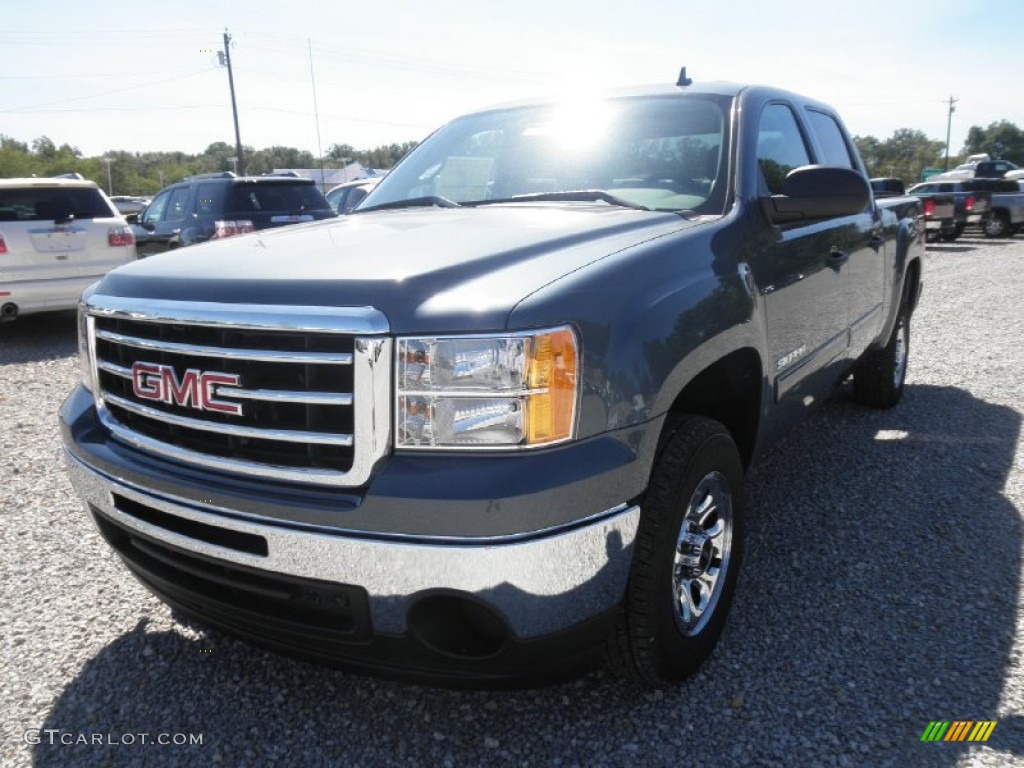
(195, 389)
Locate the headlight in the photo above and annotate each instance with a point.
(501, 391)
(84, 354)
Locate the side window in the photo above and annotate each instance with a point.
(177, 207)
(780, 146)
(355, 197)
(209, 198)
(834, 148)
(155, 211)
(341, 201)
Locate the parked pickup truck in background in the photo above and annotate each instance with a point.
(905, 206)
(971, 206)
(939, 217)
(993, 169)
(494, 425)
(1007, 216)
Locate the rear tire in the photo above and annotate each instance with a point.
(686, 556)
(879, 378)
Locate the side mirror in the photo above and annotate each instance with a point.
(818, 192)
(132, 218)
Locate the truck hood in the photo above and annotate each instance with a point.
(425, 269)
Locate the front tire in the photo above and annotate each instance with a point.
(686, 556)
(998, 225)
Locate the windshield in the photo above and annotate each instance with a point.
(662, 153)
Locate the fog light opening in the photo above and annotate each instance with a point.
(458, 626)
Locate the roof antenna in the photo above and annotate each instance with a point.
(683, 79)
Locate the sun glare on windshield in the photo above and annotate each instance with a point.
(576, 126)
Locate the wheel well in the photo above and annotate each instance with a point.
(729, 391)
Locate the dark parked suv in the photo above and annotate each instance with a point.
(217, 205)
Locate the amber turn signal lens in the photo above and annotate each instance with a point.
(551, 375)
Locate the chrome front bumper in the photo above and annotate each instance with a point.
(539, 582)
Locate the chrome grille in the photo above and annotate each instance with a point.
(307, 396)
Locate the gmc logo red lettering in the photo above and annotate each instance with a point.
(195, 389)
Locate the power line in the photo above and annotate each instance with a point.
(10, 37)
(248, 108)
(354, 53)
(79, 76)
(35, 107)
(316, 113)
(148, 108)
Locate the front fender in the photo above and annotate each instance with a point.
(650, 319)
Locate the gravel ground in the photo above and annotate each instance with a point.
(882, 590)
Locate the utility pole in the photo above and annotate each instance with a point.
(949, 124)
(110, 181)
(225, 60)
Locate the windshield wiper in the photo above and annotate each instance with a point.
(573, 196)
(412, 202)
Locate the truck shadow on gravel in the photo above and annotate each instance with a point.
(967, 245)
(934, 248)
(879, 593)
(39, 337)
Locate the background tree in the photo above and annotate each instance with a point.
(16, 160)
(384, 156)
(146, 173)
(1002, 140)
(903, 155)
(266, 160)
(340, 155)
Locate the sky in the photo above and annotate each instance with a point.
(140, 77)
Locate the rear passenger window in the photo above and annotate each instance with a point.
(780, 147)
(209, 198)
(834, 148)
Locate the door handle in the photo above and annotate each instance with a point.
(836, 257)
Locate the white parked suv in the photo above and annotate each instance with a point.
(57, 237)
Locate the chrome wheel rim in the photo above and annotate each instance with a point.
(994, 226)
(900, 368)
(703, 549)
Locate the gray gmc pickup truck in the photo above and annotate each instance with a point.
(493, 427)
